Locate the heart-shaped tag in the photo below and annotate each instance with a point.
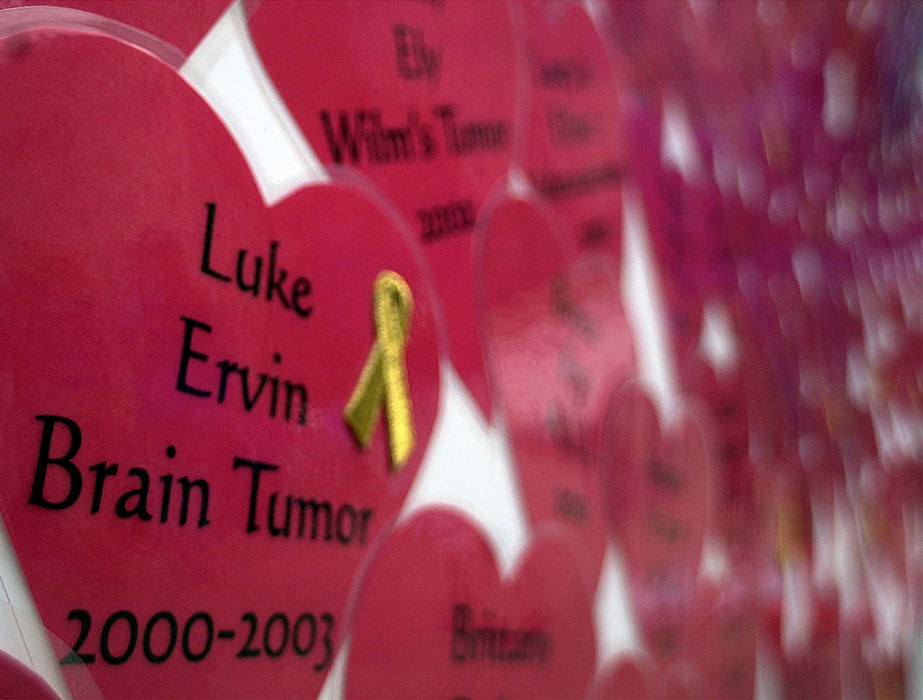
(724, 394)
(626, 679)
(720, 638)
(413, 97)
(434, 618)
(557, 342)
(180, 482)
(572, 150)
(657, 494)
(662, 192)
(181, 25)
(20, 681)
(715, 654)
(814, 672)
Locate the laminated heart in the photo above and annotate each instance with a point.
(180, 24)
(412, 96)
(724, 395)
(20, 681)
(715, 657)
(663, 192)
(657, 495)
(641, 679)
(572, 146)
(814, 671)
(627, 678)
(720, 638)
(434, 618)
(185, 496)
(557, 342)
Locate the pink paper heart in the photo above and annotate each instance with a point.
(20, 681)
(572, 146)
(415, 97)
(434, 618)
(210, 548)
(180, 24)
(657, 493)
(557, 341)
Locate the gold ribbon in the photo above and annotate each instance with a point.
(384, 376)
(789, 531)
(888, 684)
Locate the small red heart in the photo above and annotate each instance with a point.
(557, 342)
(657, 494)
(572, 147)
(435, 619)
(131, 227)
(414, 98)
(181, 24)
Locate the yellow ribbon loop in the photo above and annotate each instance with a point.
(384, 375)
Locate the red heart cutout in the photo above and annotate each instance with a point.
(627, 679)
(19, 681)
(131, 342)
(657, 492)
(434, 618)
(720, 638)
(572, 150)
(715, 656)
(815, 671)
(557, 341)
(181, 24)
(663, 194)
(724, 395)
(435, 103)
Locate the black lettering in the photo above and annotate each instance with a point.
(345, 141)
(187, 486)
(275, 530)
(254, 286)
(248, 650)
(461, 615)
(301, 288)
(494, 642)
(365, 515)
(188, 352)
(345, 534)
(83, 617)
(167, 480)
(316, 507)
(102, 471)
(37, 496)
(227, 367)
(292, 388)
(207, 248)
(275, 283)
(257, 467)
(327, 639)
(104, 648)
(209, 636)
(173, 630)
(267, 634)
(300, 649)
(402, 52)
(140, 510)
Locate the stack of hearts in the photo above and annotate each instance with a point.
(215, 409)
